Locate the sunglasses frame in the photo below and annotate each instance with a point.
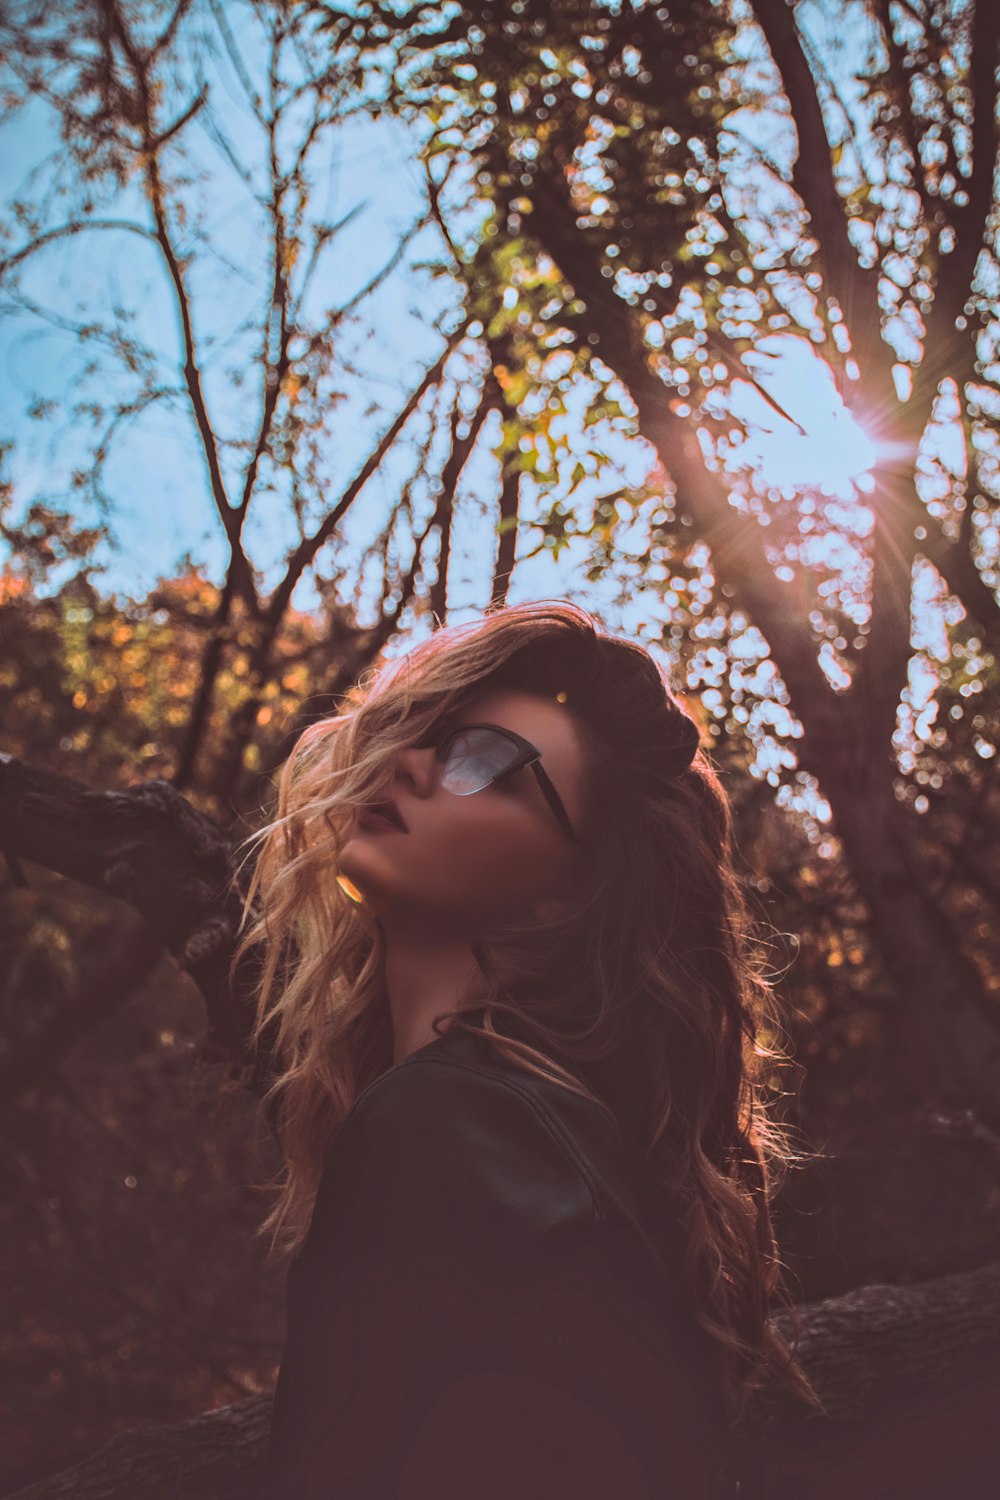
(527, 755)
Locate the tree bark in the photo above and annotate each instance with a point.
(952, 1025)
(150, 847)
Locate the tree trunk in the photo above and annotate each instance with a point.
(847, 740)
(949, 1023)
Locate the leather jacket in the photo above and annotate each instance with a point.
(487, 1306)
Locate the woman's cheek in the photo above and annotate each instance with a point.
(468, 862)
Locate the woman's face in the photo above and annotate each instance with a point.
(467, 860)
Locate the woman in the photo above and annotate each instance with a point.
(515, 1014)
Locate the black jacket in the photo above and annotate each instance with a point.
(487, 1307)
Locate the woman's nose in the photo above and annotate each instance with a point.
(417, 765)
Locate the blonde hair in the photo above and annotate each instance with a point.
(646, 995)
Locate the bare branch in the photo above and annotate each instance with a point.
(235, 57)
(325, 235)
(65, 231)
(193, 108)
(275, 361)
(232, 518)
(386, 269)
(458, 457)
(307, 549)
(168, 33)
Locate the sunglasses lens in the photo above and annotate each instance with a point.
(472, 758)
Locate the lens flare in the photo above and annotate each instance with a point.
(819, 444)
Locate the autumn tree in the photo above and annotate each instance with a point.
(233, 325)
(633, 209)
(212, 308)
(661, 198)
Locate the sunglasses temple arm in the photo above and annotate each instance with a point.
(554, 801)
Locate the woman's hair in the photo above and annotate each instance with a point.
(646, 994)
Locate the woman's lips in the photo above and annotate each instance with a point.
(378, 822)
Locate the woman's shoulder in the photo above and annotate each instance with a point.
(458, 1132)
(462, 1231)
(448, 1131)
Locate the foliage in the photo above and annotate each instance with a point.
(631, 210)
(245, 353)
(700, 187)
(135, 1290)
(110, 683)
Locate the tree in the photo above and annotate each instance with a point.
(630, 219)
(669, 187)
(158, 127)
(262, 384)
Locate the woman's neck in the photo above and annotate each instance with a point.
(423, 981)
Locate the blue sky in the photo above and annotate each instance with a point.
(160, 507)
(156, 476)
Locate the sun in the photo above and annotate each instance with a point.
(818, 444)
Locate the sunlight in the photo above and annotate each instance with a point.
(827, 450)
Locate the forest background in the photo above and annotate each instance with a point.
(325, 325)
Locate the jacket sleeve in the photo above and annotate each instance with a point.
(463, 1322)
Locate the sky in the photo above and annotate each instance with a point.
(155, 476)
(369, 180)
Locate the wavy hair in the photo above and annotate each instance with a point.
(647, 994)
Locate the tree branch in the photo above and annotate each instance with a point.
(275, 364)
(739, 558)
(900, 77)
(230, 516)
(149, 847)
(63, 231)
(509, 507)
(971, 220)
(461, 451)
(812, 178)
(307, 549)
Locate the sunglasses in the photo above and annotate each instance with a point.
(473, 756)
